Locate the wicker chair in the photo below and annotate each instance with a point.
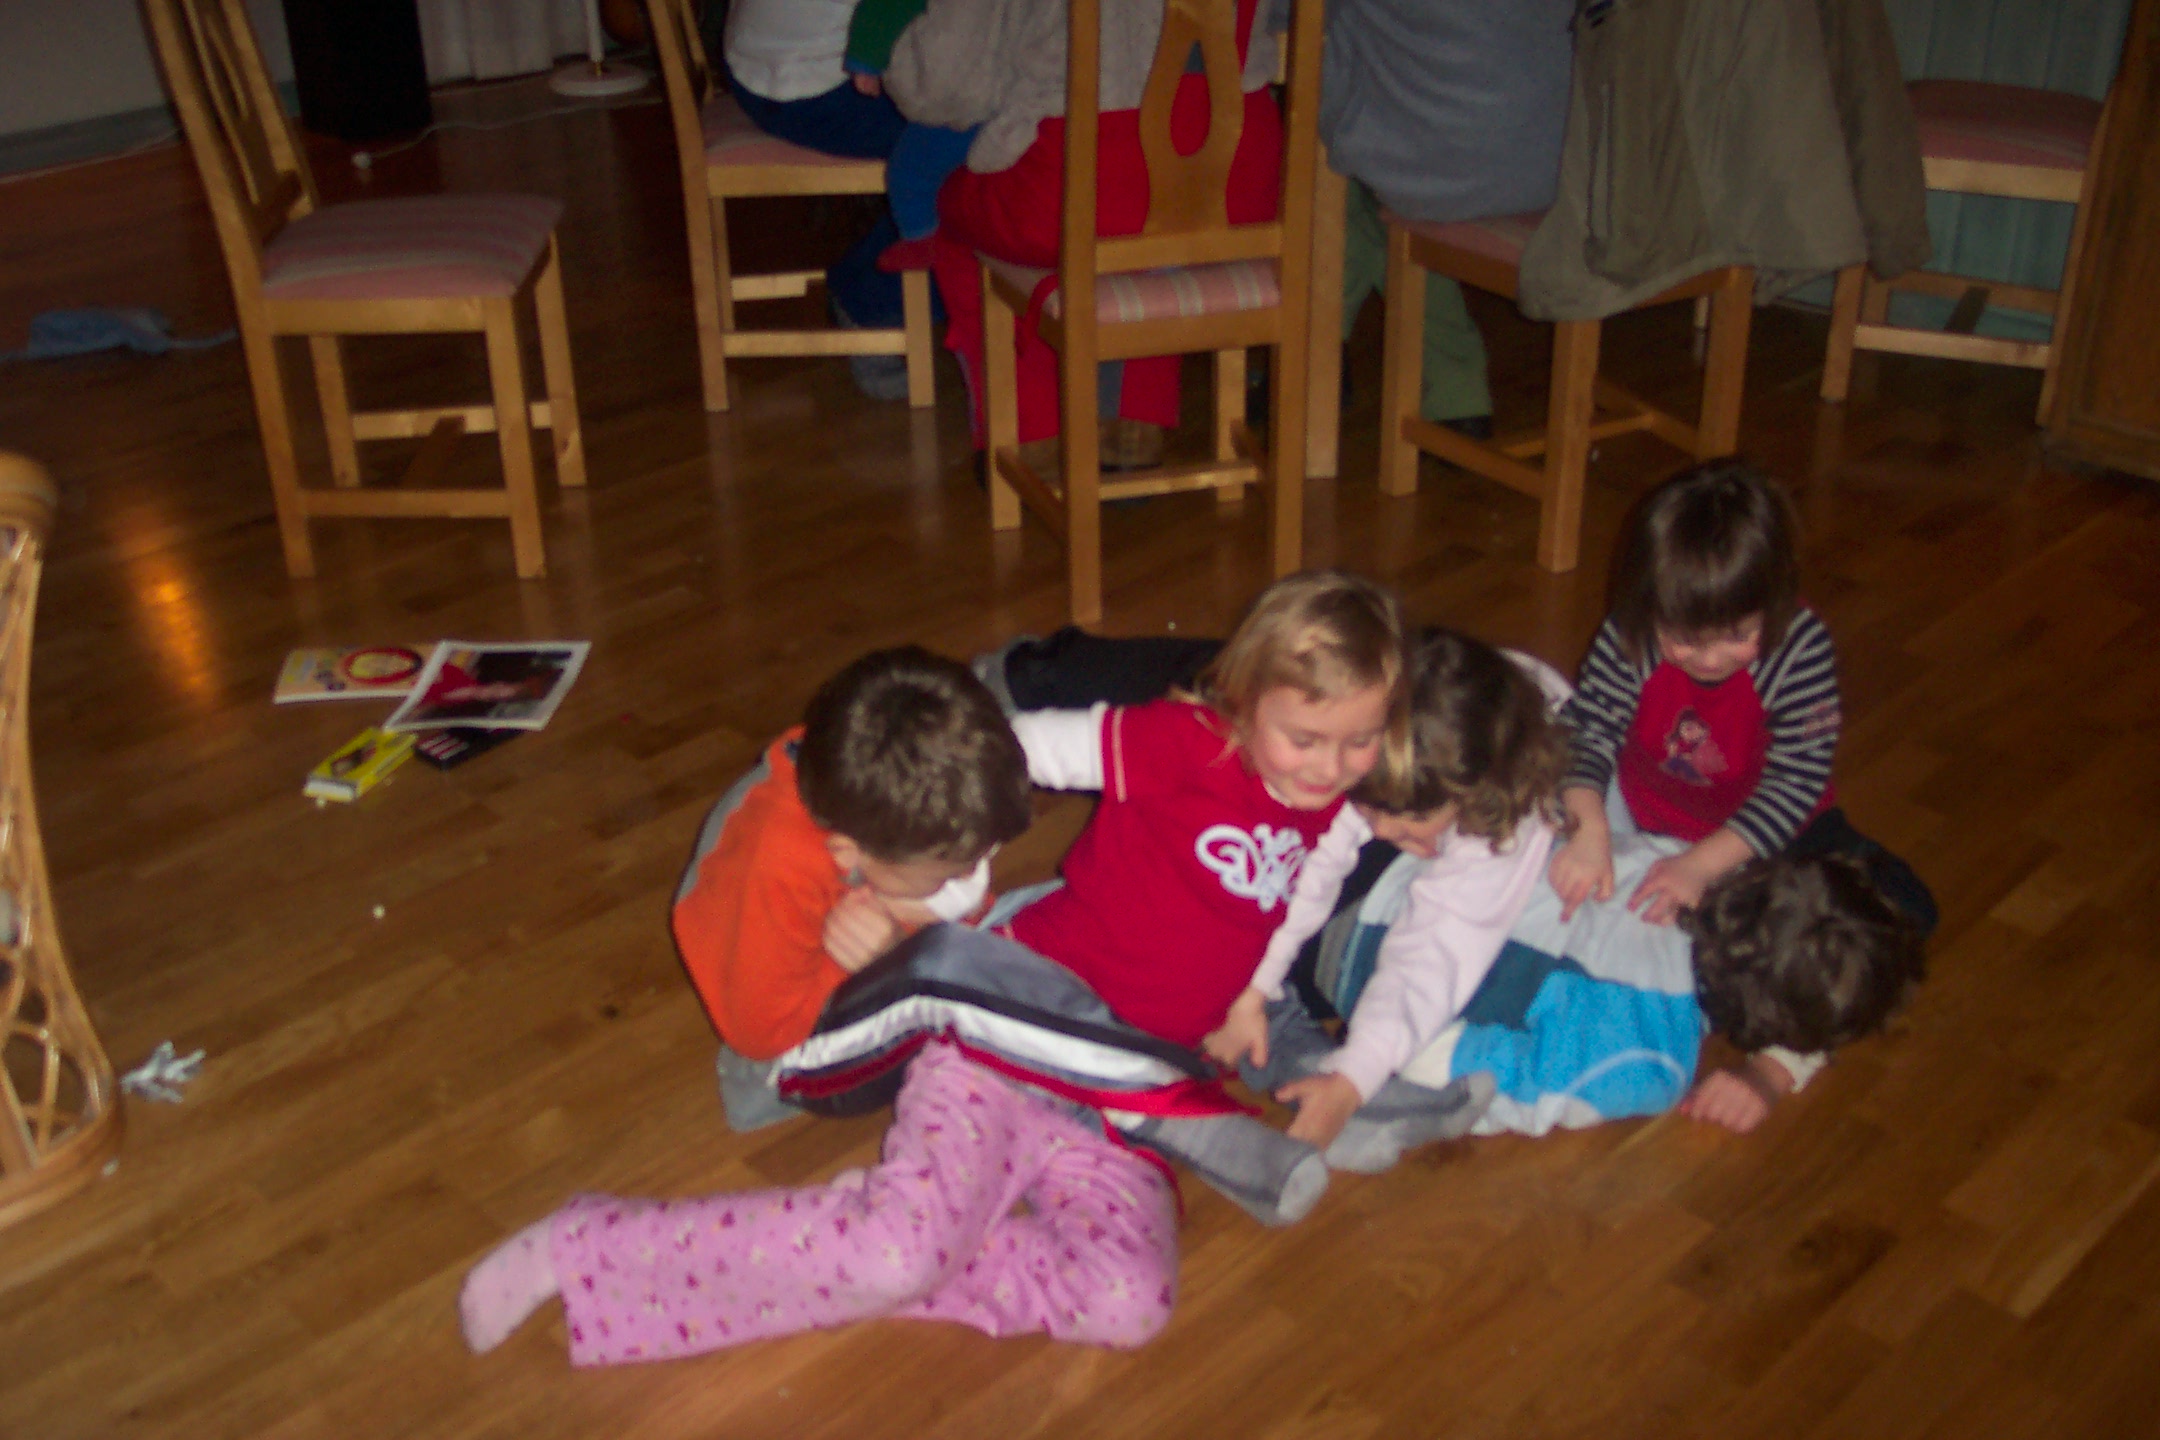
(60, 1116)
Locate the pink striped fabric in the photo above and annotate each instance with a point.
(1181, 292)
(422, 247)
(731, 139)
(2003, 124)
(1500, 238)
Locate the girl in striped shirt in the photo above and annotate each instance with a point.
(1708, 707)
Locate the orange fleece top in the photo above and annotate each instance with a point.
(752, 930)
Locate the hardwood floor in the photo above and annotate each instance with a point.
(1955, 1232)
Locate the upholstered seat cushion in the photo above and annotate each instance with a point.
(732, 139)
(422, 247)
(1179, 292)
(1500, 238)
(2003, 124)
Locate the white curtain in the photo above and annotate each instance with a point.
(488, 39)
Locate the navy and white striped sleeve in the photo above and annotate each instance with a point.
(1799, 690)
(1598, 714)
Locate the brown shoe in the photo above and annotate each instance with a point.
(1131, 444)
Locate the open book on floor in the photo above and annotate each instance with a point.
(466, 684)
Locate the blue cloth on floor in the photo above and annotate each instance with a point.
(81, 332)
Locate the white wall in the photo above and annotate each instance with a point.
(69, 60)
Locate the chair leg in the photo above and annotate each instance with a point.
(1080, 457)
(275, 423)
(1732, 311)
(513, 433)
(711, 297)
(1001, 405)
(1567, 449)
(1229, 414)
(336, 400)
(564, 429)
(915, 312)
(1323, 331)
(2067, 289)
(1402, 364)
(1844, 317)
(1874, 298)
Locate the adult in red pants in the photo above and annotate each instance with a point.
(1014, 214)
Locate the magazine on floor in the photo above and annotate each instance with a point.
(509, 687)
(349, 672)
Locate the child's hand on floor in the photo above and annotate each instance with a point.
(869, 85)
(1324, 1103)
(1243, 1031)
(1739, 1099)
(859, 929)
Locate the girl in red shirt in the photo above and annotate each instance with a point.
(1212, 801)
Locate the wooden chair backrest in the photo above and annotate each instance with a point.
(251, 165)
(1187, 222)
(688, 77)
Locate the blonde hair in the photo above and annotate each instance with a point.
(1322, 633)
(1481, 740)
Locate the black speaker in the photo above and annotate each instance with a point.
(359, 67)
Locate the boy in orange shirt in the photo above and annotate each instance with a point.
(874, 817)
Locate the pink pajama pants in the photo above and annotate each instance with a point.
(929, 1232)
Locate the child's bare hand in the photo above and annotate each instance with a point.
(1670, 886)
(859, 929)
(1736, 1101)
(1583, 870)
(869, 85)
(1324, 1103)
(1243, 1031)
(911, 915)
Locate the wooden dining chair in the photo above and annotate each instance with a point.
(60, 1115)
(1189, 282)
(432, 264)
(725, 157)
(1977, 138)
(1581, 407)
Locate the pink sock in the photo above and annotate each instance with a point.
(512, 1282)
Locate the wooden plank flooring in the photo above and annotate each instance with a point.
(1955, 1233)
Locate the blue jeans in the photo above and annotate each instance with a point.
(923, 157)
(843, 121)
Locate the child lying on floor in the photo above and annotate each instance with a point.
(1601, 1015)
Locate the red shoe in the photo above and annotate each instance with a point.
(907, 255)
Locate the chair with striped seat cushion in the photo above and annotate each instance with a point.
(1976, 138)
(419, 248)
(1487, 254)
(1189, 282)
(1176, 292)
(429, 264)
(724, 156)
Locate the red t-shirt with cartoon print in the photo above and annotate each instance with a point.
(1174, 887)
(1695, 753)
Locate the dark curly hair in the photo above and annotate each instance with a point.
(1480, 740)
(1803, 953)
(907, 754)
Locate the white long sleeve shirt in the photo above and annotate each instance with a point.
(1455, 919)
